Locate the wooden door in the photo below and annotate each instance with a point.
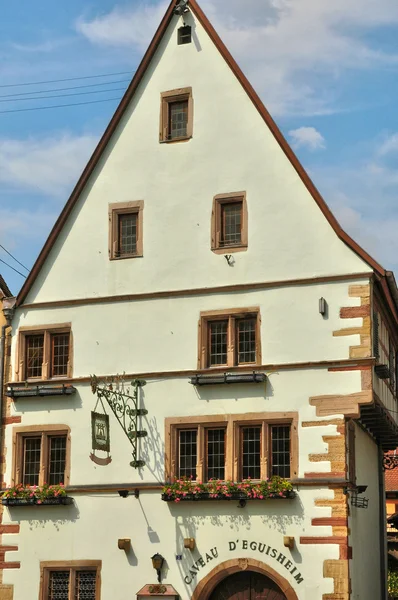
(247, 585)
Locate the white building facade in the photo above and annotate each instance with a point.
(195, 255)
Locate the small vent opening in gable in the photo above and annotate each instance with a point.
(184, 35)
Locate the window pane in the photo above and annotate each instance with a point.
(58, 587)
(128, 226)
(280, 454)
(246, 334)
(59, 354)
(85, 585)
(31, 460)
(216, 454)
(57, 457)
(251, 449)
(188, 453)
(231, 223)
(178, 119)
(34, 355)
(218, 342)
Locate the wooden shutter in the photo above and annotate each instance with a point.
(376, 351)
(351, 451)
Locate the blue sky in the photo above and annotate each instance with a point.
(327, 71)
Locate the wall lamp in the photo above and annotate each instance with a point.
(157, 563)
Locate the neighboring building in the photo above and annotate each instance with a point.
(195, 245)
(391, 485)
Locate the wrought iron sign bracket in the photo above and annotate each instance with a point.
(125, 408)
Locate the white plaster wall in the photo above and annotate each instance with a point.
(231, 150)
(91, 528)
(162, 334)
(364, 523)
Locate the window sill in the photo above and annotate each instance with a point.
(174, 140)
(230, 249)
(60, 501)
(289, 495)
(126, 256)
(31, 390)
(228, 378)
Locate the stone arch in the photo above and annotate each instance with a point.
(224, 569)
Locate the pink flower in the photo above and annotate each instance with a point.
(177, 500)
(39, 502)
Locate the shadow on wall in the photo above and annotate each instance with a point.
(151, 448)
(48, 404)
(40, 517)
(191, 517)
(236, 391)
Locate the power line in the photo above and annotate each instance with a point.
(19, 273)
(16, 260)
(76, 87)
(64, 95)
(8, 85)
(57, 106)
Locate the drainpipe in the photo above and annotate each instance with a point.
(8, 311)
(383, 528)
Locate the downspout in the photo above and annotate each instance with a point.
(8, 311)
(382, 528)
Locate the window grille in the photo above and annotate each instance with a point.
(231, 223)
(59, 354)
(218, 331)
(58, 588)
(31, 460)
(280, 450)
(34, 355)
(57, 459)
(215, 454)
(251, 452)
(188, 453)
(85, 585)
(178, 119)
(79, 584)
(128, 233)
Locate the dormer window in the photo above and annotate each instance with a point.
(176, 115)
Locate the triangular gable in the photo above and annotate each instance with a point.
(260, 108)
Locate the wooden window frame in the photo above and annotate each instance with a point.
(216, 217)
(45, 431)
(167, 98)
(125, 208)
(232, 315)
(72, 566)
(232, 425)
(48, 331)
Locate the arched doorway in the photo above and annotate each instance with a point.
(226, 569)
(247, 585)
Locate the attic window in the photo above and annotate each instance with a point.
(229, 223)
(125, 230)
(176, 115)
(184, 35)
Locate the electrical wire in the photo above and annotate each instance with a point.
(65, 95)
(19, 273)
(15, 110)
(76, 87)
(8, 85)
(16, 260)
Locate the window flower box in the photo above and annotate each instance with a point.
(42, 495)
(186, 490)
(57, 501)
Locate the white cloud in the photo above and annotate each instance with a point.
(293, 50)
(307, 137)
(48, 165)
(389, 145)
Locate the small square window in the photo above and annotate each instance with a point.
(229, 223)
(42, 455)
(125, 230)
(176, 115)
(45, 354)
(229, 338)
(184, 35)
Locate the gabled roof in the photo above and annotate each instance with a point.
(5, 291)
(194, 7)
